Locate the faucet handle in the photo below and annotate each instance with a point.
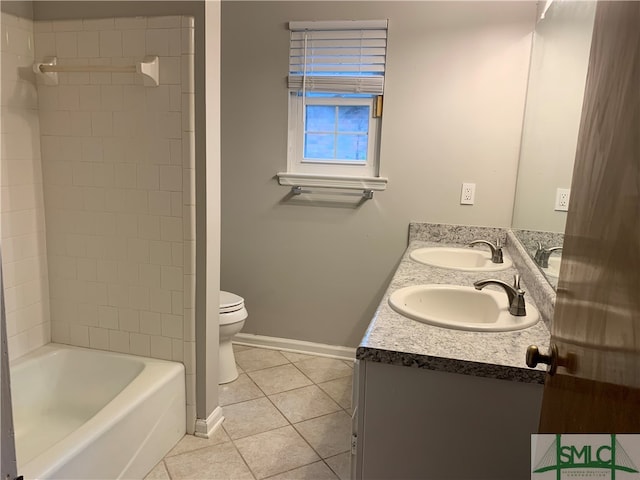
(540, 253)
(497, 256)
(518, 304)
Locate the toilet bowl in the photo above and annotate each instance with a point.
(232, 316)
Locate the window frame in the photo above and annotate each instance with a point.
(319, 79)
(295, 158)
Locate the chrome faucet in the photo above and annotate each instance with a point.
(515, 294)
(496, 250)
(542, 255)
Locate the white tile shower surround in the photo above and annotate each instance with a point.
(24, 254)
(287, 416)
(118, 175)
(108, 165)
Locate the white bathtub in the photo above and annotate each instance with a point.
(89, 414)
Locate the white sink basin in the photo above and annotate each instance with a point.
(554, 266)
(461, 308)
(470, 259)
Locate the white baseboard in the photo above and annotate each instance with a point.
(296, 346)
(205, 428)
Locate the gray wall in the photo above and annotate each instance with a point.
(454, 98)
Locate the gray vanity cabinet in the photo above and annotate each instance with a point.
(413, 423)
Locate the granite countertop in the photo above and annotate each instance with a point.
(398, 340)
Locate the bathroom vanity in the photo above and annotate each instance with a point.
(433, 402)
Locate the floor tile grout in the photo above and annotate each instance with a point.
(289, 423)
(346, 410)
(166, 469)
(295, 468)
(317, 453)
(279, 473)
(241, 456)
(292, 424)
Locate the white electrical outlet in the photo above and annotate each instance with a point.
(562, 199)
(468, 195)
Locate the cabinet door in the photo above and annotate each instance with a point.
(356, 453)
(422, 424)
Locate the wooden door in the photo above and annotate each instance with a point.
(596, 325)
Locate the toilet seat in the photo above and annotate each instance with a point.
(231, 320)
(232, 308)
(230, 302)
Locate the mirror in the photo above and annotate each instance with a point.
(557, 75)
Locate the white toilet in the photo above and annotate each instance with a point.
(232, 317)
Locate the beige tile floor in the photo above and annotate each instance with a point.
(287, 416)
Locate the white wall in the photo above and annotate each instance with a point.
(208, 329)
(454, 98)
(24, 250)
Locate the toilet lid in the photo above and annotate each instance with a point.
(230, 302)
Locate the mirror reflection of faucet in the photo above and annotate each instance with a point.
(496, 250)
(542, 255)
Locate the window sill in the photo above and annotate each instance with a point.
(332, 181)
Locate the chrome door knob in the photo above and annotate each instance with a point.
(534, 357)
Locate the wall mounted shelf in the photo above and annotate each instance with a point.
(332, 184)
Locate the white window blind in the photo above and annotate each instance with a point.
(342, 56)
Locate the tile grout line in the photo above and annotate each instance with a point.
(317, 453)
(302, 466)
(281, 413)
(255, 476)
(291, 424)
(166, 469)
(332, 470)
(294, 389)
(319, 416)
(339, 404)
(197, 449)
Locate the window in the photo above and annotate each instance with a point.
(336, 82)
(336, 132)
